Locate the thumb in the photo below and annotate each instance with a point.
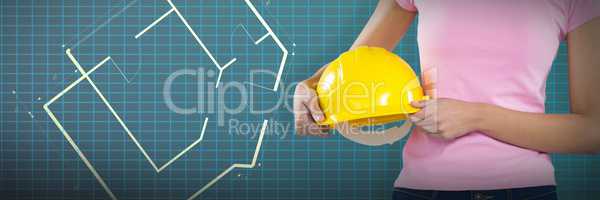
(418, 104)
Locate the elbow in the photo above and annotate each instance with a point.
(591, 153)
(594, 150)
(595, 146)
(586, 152)
(580, 147)
(591, 138)
(579, 151)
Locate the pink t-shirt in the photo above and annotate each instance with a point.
(490, 51)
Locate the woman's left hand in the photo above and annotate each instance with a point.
(447, 118)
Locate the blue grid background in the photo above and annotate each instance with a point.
(37, 163)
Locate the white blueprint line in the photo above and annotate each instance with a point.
(236, 165)
(68, 137)
(262, 38)
(85, 76)
(154, 23)
(122, 123)
(212, 58)
(198, 40)
(275, 38)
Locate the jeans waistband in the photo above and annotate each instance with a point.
(530, 193)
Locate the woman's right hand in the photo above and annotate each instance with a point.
(307, 111)
(377, 32)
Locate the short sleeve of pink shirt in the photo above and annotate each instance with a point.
(495, 52)
(579, 12)
(573, 12)
(407, 5)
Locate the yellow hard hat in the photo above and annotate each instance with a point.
(368, 86)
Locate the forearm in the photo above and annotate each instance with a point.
(555, 133)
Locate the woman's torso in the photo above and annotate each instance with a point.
(496, 52)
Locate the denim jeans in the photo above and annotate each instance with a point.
(528, 193)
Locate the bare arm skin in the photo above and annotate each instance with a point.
(577, 132)
(386, 26)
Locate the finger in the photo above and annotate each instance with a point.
(430, 124)
(429, 79)
(303, 116)
(418, 116)
(300, 97)
(430, 114)
(300, 113)
(430, 110)
(415, 119)
(311, 126)
(428, 85)
(313, 107)
(300, 110)
(425, 112)
(418, 103)
(426, 122)
(430, 90)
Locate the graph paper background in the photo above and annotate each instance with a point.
(37, 163)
